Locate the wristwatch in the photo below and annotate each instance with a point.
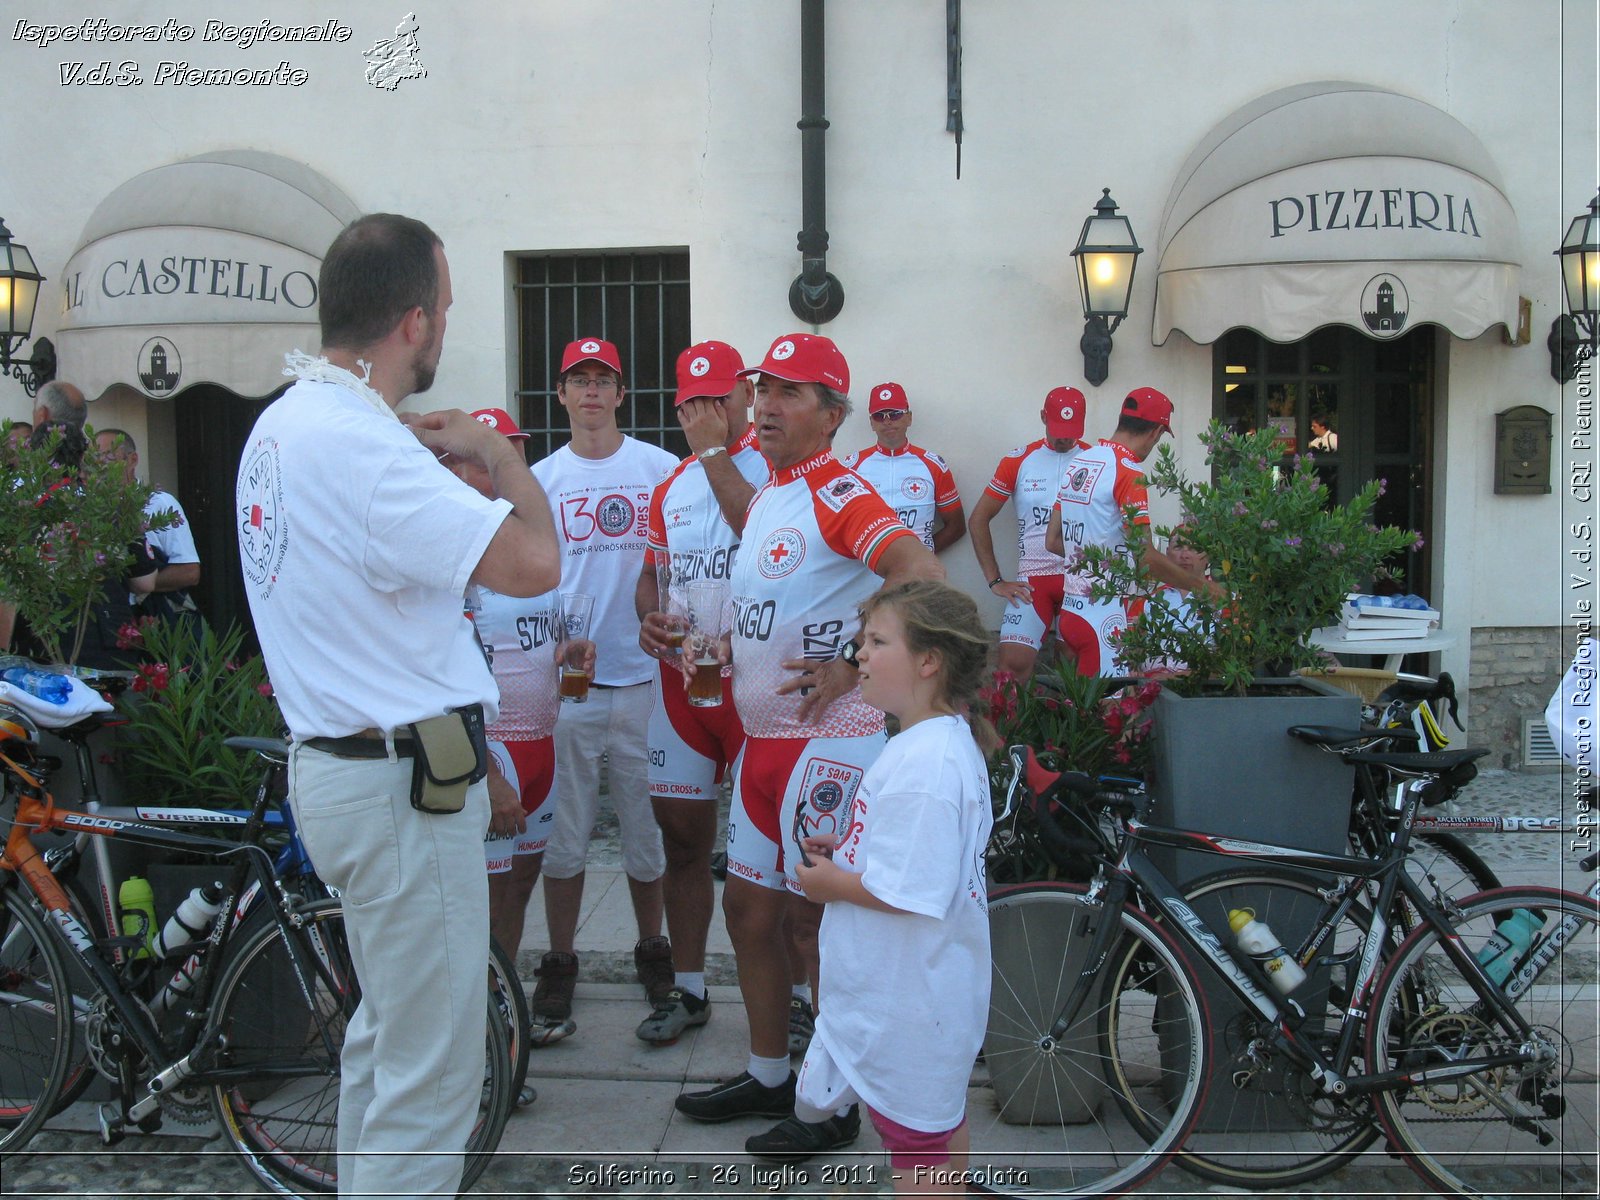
(711, 453)
(848, 652)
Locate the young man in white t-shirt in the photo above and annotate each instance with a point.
(599, 486)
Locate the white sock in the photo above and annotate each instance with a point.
(769, 1072)
(810, 1114)
(693, 982)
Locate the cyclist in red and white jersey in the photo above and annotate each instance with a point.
(1030, 477)
(696, 514)
(916, 483)
(1103, 502)
(817, 541)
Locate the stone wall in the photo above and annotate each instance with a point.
(1514, 673)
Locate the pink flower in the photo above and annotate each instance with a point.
(264, 688)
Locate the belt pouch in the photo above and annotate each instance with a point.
(448, 757)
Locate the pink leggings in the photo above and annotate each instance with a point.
(911, 1148)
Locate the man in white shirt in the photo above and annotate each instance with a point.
(356, 545)
(599, 486)
(173, 548)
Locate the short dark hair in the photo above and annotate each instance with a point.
(124, 443)
(1137, 425)
(378, 269)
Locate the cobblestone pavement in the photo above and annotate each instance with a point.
(61, 1163)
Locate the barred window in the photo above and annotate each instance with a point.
(636, 299)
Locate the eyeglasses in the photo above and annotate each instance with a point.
(890, 414)
(583, 383)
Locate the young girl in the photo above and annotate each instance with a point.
(904, 993)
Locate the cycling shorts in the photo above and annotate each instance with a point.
(690, 748)
(788, 788)
(1089, 629)
(530, 767)
(1026, 625)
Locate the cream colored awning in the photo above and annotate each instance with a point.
(1336, 204)
(202, 271)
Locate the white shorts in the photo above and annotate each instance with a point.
(530, 767)
(611, 724)
(788, 788)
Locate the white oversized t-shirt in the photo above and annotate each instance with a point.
(904, 997)
(356, 547)
(601, 506)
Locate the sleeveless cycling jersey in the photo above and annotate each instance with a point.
(1100, 483)
(914, 482)
(1030, 477)
(812, 538)
(518, 636)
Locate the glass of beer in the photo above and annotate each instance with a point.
(670, 603)
(706, 603)
(576, 609)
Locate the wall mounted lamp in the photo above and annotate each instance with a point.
(19, 294)
(1107, 253)
(1574, 334)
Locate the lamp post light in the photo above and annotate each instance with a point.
(1575, 333)
(1107, 253)
(19, 295)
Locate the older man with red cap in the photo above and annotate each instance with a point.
(1103, 502)
(817, 542)
(1029, 476)
(599, 486)
(915, 482)
(696, 515)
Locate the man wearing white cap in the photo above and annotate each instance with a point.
(599, 486)
(817, 542)
(1030, 477)
(915, 482)
(696, 515)
(1101, 487)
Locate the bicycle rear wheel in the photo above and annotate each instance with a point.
(511, 1003)
(1266, 1123)
(284, 1123)
(1105, 1106)
(1530, 1126)
(35, 1021)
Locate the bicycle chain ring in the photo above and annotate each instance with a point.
(1448, 1031)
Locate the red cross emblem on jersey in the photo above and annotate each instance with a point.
(778, 553)
(781, 552)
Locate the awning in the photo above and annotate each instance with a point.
(1336, 204)
(202, 271)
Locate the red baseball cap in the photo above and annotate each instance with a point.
(707, 369)
(804, 358)
(888, 397)
(499, 420)
(1064, 412)
(1149, 405)
(587, 349)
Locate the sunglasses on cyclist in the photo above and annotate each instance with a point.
(889, 414)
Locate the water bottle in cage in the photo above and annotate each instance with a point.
(194, 916)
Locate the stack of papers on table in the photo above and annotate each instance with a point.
(1387, 618)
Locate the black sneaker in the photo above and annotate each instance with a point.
(552, 995)
(802, 1024)
(679, 1010)
(794, 1140)
(652, 963)
(741, 1096)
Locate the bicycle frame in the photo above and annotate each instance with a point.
(1133, 873)
(199, 1036)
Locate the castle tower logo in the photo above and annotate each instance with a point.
(1384, 305)
(159, 367)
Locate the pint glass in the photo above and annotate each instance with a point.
(706, 604)
(576, 609)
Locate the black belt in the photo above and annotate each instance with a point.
(360, 746)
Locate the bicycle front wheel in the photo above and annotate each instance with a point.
(1529, 1125)
(35, 1021)
(1104, 1106)
(283, 1119)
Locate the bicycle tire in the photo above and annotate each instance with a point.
(286, 1130)
(1128, 1078)
(505, 982)
(1271, 1126)
(1459, 869)
(1464, 1134)
(80, 1072)
(35, 1021)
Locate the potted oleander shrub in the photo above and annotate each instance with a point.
(1286, 555)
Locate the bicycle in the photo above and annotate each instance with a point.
(1096, 999)
(259, 1024)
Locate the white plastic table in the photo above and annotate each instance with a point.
(1392, 649)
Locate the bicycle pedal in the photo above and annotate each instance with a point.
(111, 1125)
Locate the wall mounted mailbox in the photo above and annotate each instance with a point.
(1522, 451)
